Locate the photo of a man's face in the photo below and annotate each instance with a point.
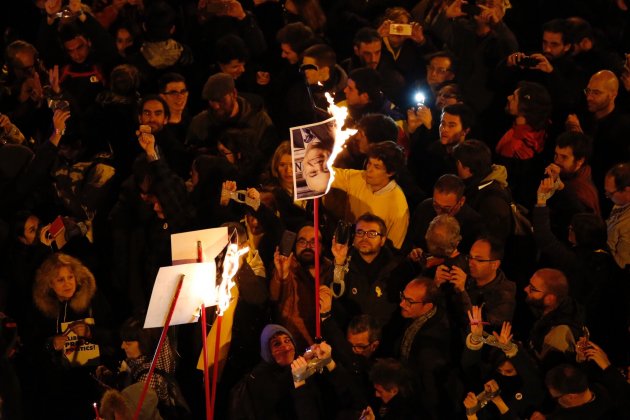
(315, 169)
(311, 148)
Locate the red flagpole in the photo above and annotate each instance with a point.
(204, 333)
(318, 333)
(159, 347)
(215, 368)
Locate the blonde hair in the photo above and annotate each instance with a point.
(43, 293)
(283, 148)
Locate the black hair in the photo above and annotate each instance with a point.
(390, 373)
(167, 78)
(580, 144)
(230, 47)
(160, 19)
(132, 330)
(621, 174)
(152, 97)
(497, 249)
(372, 218)
(390, 153)
(534, 102)
(323, 55)
(566, 379)
(445, 54)
(378, 128)
(368, 80)
(365, 322)
(579, 29)
(297, 35)
(590, 231)
(558, 26)
(474, 155)
(365, 35)
(464, 112)
(450, 184)
(124, 80)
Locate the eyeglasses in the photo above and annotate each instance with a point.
(361, 347)
(532, 288)
(479, 259)
(409, 301)
(176, 92)
(438, 70)
(609, 194)
(304, 242)
(370, 233)
(593, 92)
(443, 209)
(447, 95)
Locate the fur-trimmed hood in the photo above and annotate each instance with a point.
(44, 296)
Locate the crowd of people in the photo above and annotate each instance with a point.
(470, 258)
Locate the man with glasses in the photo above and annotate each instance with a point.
(425, 344)
(292, 290)
(448, 198)
(365, 280)
(604, 122)
(174, 90)
(488, 286)
(617, 189)
(559, 317)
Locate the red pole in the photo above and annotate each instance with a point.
(159, 347)
(318, 333)
(215, 368)
(204, 333)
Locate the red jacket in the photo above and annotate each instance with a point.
(521, 142)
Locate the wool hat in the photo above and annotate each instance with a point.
(267, 333)
(217, 86)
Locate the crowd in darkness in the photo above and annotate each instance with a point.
(474, 245)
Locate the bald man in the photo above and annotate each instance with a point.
(607, 126)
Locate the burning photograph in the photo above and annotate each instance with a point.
(311, 147)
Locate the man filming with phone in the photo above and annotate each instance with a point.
(291, 288)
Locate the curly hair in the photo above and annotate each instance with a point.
(43, 294)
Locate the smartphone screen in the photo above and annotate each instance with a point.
(287, 242)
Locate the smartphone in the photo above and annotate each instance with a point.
(343, 231)
(56, 227)
(216, 7)
(403, 29)
(471, 9)
(287, 242)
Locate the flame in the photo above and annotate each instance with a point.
(339, 114)
(231, 264)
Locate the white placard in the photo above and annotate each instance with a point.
(198, 287)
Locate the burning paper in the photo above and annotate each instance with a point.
(314, 148)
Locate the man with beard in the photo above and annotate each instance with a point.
(292, 287)
(367, 49)
(604, 122)
(448, 198)
(437, 160)
(228, 109)
(155, 113)
(425, 346)
(559, 317)
(574, 191)
(553, 67)
(365, 276)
